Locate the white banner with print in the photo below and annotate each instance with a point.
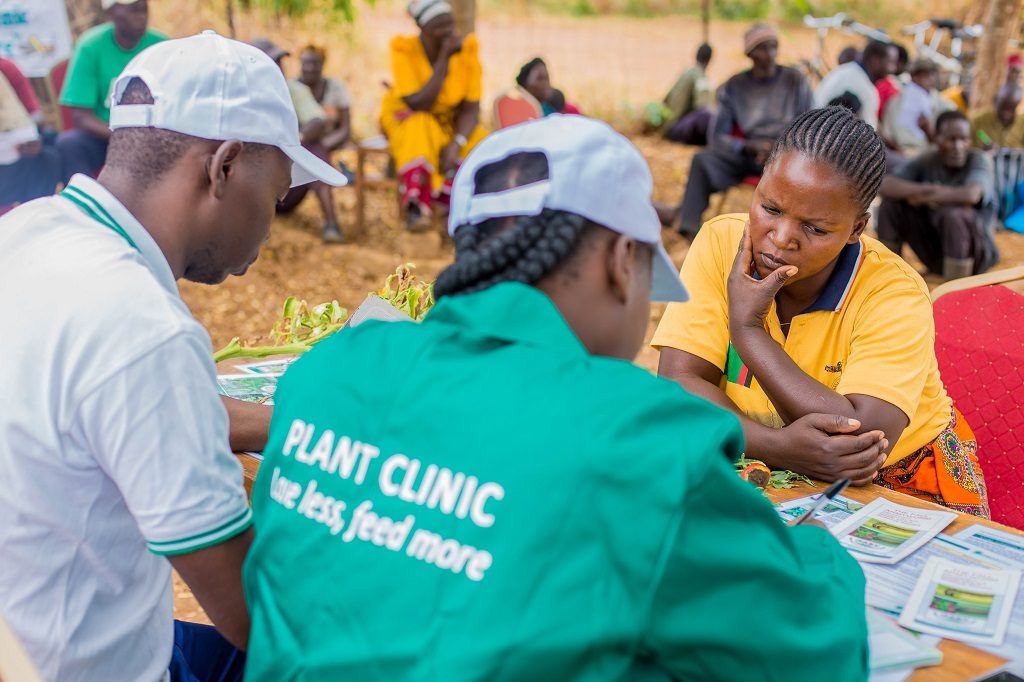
(34, 34)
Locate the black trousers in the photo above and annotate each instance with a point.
(712, 171)
(937, 233)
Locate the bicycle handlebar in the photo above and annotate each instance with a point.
(951, 24)
(844, 22)
(957, 28)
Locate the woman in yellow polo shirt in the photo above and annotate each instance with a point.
(817, 335)
(431, 115)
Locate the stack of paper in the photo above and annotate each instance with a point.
(893, 648)
(376, 308)
(959, 602)
(995, 541)
(276, 367)
(252, 388)
(884, 532)
(836, 511)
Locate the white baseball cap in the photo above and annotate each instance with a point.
(216, 88)
(107, 4)
(593, 172)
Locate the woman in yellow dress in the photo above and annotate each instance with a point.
(431, 115)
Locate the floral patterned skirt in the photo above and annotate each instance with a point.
(945, 471)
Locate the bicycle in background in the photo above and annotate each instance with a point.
(949, 31)
(816, 67)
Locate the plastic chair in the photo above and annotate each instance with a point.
(515, 106)
(979, 342)
(749, 181)
(58, 74)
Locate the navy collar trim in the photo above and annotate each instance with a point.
(840, 282)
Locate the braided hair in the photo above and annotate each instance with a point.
(837, 137)
(517, 249)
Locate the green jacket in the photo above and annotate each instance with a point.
(476, 497)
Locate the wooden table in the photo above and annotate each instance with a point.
(959, 661)
(250, 466)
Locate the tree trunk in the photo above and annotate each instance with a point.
(465, 16)
(83, 15)
(975, 13)
(1002, 20)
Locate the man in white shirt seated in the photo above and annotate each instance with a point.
(857, 79)
(909, 121)
(114, 445)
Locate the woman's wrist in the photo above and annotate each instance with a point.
(743, 336)
(763, 443)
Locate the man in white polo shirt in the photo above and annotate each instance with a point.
(114, 445)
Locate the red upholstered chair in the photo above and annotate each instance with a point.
(57, 76)
(979, 341)
(515, 106)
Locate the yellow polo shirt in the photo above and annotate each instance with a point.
(870, 332)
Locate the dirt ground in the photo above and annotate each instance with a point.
(610, 65)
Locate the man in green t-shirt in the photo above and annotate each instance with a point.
(689, 103)
(497, 493)
(101, 54)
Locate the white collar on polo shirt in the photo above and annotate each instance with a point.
(147, 246)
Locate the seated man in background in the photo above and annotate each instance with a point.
(909, 121)
(689, 103)
(101, 54)
(860, 78)
(753, 108)
(28, 169)
(999, 127)
(333, 96)
(891, 86)
(943, 204)
(501, 540)
(314, 132)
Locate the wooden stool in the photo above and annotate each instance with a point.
(376, 146)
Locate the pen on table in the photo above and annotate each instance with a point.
(826, 497)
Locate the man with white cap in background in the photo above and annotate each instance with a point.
(100, 55)
(114, 445)
(546, 510)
